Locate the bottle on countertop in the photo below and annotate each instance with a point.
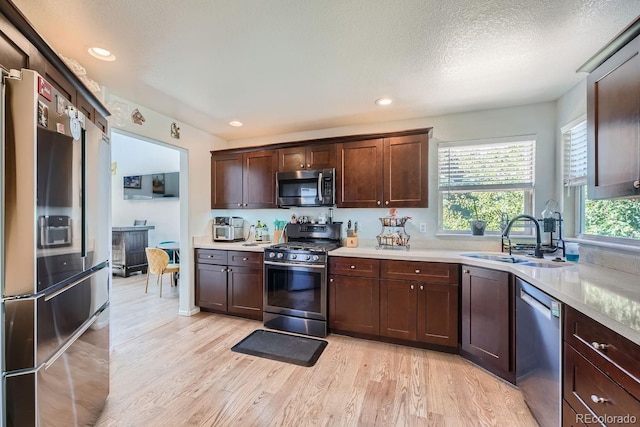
(258, 232)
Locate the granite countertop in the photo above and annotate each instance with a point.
(608, 296)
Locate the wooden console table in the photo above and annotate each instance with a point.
(127, 247)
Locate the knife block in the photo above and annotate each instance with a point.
(352, 241)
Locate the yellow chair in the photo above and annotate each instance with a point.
(158, 261)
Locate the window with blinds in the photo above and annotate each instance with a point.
(486, 166)
(488, 180)
(575, 155)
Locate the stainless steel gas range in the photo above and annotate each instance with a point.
(295, 279)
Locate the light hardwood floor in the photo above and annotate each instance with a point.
(170, 370)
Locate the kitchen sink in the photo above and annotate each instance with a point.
(502, 258)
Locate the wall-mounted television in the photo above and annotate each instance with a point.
(152, 186)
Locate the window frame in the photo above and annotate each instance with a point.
(527, 189)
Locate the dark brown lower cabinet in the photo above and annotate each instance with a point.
(354, 304)
(601, 374)
(487, 320)
(419, 302)
(229, 282)
(419, 311)
(354, 295)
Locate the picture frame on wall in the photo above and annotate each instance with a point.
(157, 183)
(133, 181)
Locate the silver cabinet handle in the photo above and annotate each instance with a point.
(386, 203)
(301, 166)
(331, 280)
(245, 204)
(599, 346)
(223, 270)
(309, 165)
(412, 286)
(245, 259)
(636, 184)
(353, 266)
(228, 270)
(596, 399)
(378, 202)
(422, 287)
(466, 271)
(239, 204)
(417, 271)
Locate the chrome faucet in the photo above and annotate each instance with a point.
(538, 251)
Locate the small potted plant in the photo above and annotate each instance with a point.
(477, 225)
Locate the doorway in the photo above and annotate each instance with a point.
(137, 159)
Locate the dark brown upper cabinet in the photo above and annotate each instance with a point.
(308, 157)
(383, 172)
(243, 180)
(613, 122)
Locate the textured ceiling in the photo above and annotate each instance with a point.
(285, 66)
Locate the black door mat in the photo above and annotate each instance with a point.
(281, 347)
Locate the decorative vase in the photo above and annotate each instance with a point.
(477, 227)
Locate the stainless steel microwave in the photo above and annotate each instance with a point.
(306, 188)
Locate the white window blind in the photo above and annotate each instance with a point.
(488, 166)
(575, 155)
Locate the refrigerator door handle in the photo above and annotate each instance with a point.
(72, 340)
(65, 288)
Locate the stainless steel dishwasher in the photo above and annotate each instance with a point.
(538, 352)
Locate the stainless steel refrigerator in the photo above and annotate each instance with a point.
(54, 258)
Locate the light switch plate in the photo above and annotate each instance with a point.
(423, 227)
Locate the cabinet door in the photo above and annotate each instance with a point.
(291, 159)
(226, 181)
(211, 287)
(245, 294)
(359, 170)
(354, 304)
(398, 307)
(438, 314)
(613, 125)
(321, 156)
(486, 319)
(405, 171)
(259, 183)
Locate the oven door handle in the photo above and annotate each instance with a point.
(289, 264)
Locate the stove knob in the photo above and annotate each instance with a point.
(308, 257)
(280, 255)
(272, 255)
(316, 257)
(294, 256)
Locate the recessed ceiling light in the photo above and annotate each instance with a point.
(235, 123)
(384, 101)
(102, 54)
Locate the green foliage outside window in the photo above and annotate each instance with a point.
(458, 208)
(612, 218)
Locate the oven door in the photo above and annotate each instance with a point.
(295, 290)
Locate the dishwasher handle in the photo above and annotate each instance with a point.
(537, 305)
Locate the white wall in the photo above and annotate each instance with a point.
(195, 185)
(134, 156)
(536, 119)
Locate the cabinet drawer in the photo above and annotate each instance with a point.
(242, 258)
(615, 355)
(590, 391)
(211, 256)
(362, 267)
(420, 271)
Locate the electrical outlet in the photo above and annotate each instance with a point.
(423, 227)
